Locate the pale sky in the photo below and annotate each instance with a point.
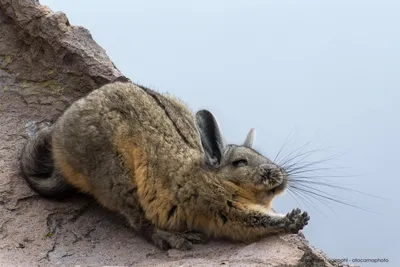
(323, 71)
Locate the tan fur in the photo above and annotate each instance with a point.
(140, 153)
(75, 178)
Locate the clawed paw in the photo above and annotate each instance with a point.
(296, 220)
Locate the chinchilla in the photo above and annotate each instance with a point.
(169, 171)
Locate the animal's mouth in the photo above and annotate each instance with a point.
(272, 181)
(270, 191)
(279, 188)
(275, 181)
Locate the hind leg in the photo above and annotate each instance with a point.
(183, 241)
(113, 186)
(161, 238)
(124, 200)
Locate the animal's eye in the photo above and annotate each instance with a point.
(239, 163)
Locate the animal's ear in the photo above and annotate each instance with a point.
(250, 138)
(211, 137)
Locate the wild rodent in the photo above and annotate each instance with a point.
(168, 171)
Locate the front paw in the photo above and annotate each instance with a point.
(295, 221)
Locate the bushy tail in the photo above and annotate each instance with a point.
(38, 167)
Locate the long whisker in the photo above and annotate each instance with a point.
(290, 168)
(306, 154)
(299, 149)
(283, 146)
(289, 163)
(333, 199)
(323, 176)
(307, 200)
(332, 185)
(295, 199)
(306, 179)
(313, 189)
(313, 170)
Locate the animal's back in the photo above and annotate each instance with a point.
(118, 129)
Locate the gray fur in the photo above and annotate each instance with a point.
(37, 165)
(167, 170)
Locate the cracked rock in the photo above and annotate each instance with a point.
(45, 64)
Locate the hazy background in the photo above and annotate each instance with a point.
(322, 71)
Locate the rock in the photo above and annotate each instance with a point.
(45, 64)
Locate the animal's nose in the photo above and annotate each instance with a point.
(271, 170)
(271, 167)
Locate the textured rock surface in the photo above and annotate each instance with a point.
(45, 64)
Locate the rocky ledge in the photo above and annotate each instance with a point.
(45, 64)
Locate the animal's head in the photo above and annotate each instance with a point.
(239, 164)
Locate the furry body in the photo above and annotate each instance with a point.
(144, 155)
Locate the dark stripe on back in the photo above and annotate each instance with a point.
(155, 96)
